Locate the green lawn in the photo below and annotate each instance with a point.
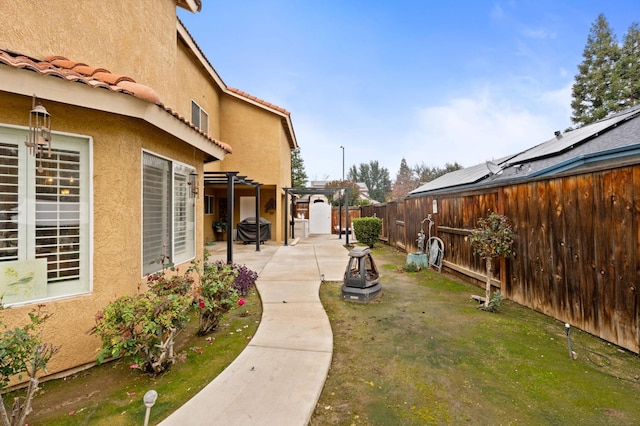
(425, 354)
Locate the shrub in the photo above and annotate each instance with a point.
(215, 294)
(494, 302)
(143, 327)
(245, 280)
(22, 351)
(162, 285)
(367, 229)
(411, 267)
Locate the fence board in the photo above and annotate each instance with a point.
(576, 252)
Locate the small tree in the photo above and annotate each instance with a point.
(493, 238)
(22, 351)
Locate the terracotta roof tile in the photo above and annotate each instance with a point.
(61, 67)
(111, 78)
(258, 100)
(64, 63)
(88, 71)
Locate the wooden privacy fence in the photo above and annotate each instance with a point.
(576, 252)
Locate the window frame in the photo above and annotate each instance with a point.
(176, 189)
(199, 117)
(209, 204)
(35, 209)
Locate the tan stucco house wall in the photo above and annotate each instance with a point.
(116, 122)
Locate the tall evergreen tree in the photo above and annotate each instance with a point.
(375, 177)
(298, 174)
(628, 67)
(595, 92)
(405, 181)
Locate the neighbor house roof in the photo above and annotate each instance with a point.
(465, 176)
(612, 140)
(66, 70)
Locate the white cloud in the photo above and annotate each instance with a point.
(484, 126)
(538, 33)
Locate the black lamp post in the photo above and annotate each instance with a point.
(342, 162)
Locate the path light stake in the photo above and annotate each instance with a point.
(149, 399)
(572, 354)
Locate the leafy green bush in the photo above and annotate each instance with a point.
(142, 327)
(367, 229)
(22, 351)
(219, 289)
(245, 278)
(215, 295)
(411, 267)
(494, 302)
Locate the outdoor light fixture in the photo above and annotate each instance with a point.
(193, 184)
(149, 399)
(39, 135)
(572, 354)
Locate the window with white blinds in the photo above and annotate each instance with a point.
(168, 213)
(9, 200)
(44, 218)
(58, 214)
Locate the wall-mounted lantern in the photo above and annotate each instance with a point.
(39, 136)
(193, 184)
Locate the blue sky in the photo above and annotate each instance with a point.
(434, 82)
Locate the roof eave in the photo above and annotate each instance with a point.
(21, 82)
(190, 5)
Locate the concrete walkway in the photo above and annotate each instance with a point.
(278, 378)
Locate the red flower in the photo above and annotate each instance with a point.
(201, 304)
(240, 302)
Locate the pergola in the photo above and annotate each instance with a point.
(230, 180)
(297, 192)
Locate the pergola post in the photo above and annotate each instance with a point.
(230, 212)
(258, 217)
(286, 216)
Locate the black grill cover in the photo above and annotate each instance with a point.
(247, 230)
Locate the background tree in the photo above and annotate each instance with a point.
(426, 173)
(628, 67)
(595, 91)
(375, 177)
(405, 181)
(354, 192)
(298, 174)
